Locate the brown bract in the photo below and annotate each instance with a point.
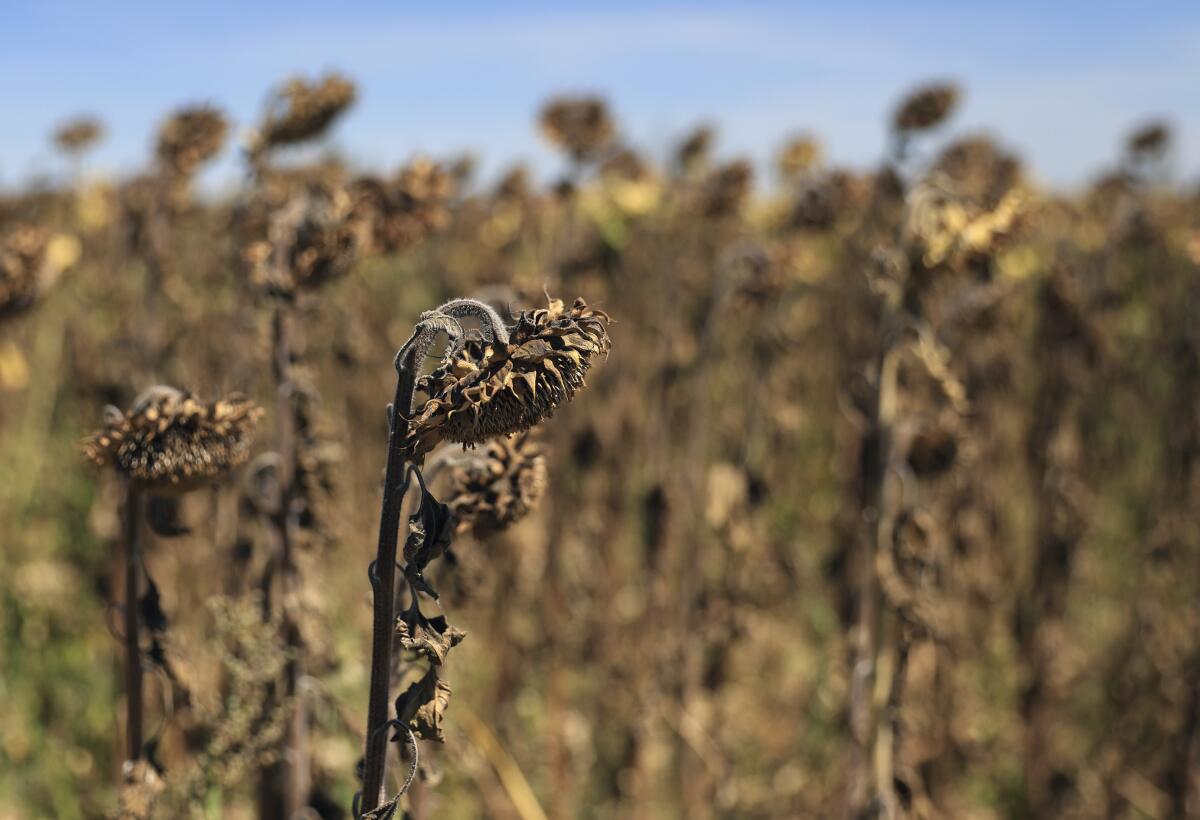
(497, 487)
(172, 442)
(491, 389)
(926, 107)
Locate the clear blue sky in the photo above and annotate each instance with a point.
(1060, 81)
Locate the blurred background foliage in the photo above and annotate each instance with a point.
(883, 504)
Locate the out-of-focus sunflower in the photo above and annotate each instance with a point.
(406, 209)
(189, 138)
(581, 126)
(302, 110)
(171, 442)
(31, 261)
(926, 107)
(78, 135)
(499, 387)
(498, 486)
(312, 239)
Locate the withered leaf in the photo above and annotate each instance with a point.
(430, 530)
(431, 637)
(423, 705)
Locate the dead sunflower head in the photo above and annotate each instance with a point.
(302, 110)
(692, 154)
(78, 135)
(495, 488)
(1149, 140)
(31, 261)
(189, 138)
(406, 209)
(170, 441)
(312, 239)
(799, 156)
(581, 126)
(501, 381)
(925, 107)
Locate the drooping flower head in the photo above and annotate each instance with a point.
(302, 110)
(581, 126)
(189, 138)
(171, 442)
(926, 107)
(500, 381)
(78, 135)
(494, 488)
(31, 260)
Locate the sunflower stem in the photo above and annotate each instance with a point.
(384, 580)
(131, 511)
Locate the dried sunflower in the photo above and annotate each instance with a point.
(77, 135)
(799, 156)
(925, 107)
(581, 126)
(31, 261)
(170, 441)
(312, 239)
(727, 189)
(692, 154)
(489, 387)
(408, 208)
(301, 110)
(491, 490)
(190, 137)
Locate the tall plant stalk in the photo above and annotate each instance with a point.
(131, 513)
(383, 577)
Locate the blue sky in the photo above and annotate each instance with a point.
(1061, 82)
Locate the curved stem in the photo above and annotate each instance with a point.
(384, 579)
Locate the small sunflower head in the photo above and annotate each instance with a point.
(505, 380)
(189, 138)
(78, 135)
(496, 487)
(799, 156)
(1150, 140)
(302, 110)
(581, 126)
(692, 154)
(31, 261)
(171, 442)
(925, 107)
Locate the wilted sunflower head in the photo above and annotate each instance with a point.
(925, 107)
(727, 189)
(581, 126)
(31, 261)
(407, 208)
(692, 153)
(1149, 140)
(301, 110)
(494, 488)
(503, 381)
(799, 156)
(171, 442)
(189, 138)
(77, 135)
(312, 239)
